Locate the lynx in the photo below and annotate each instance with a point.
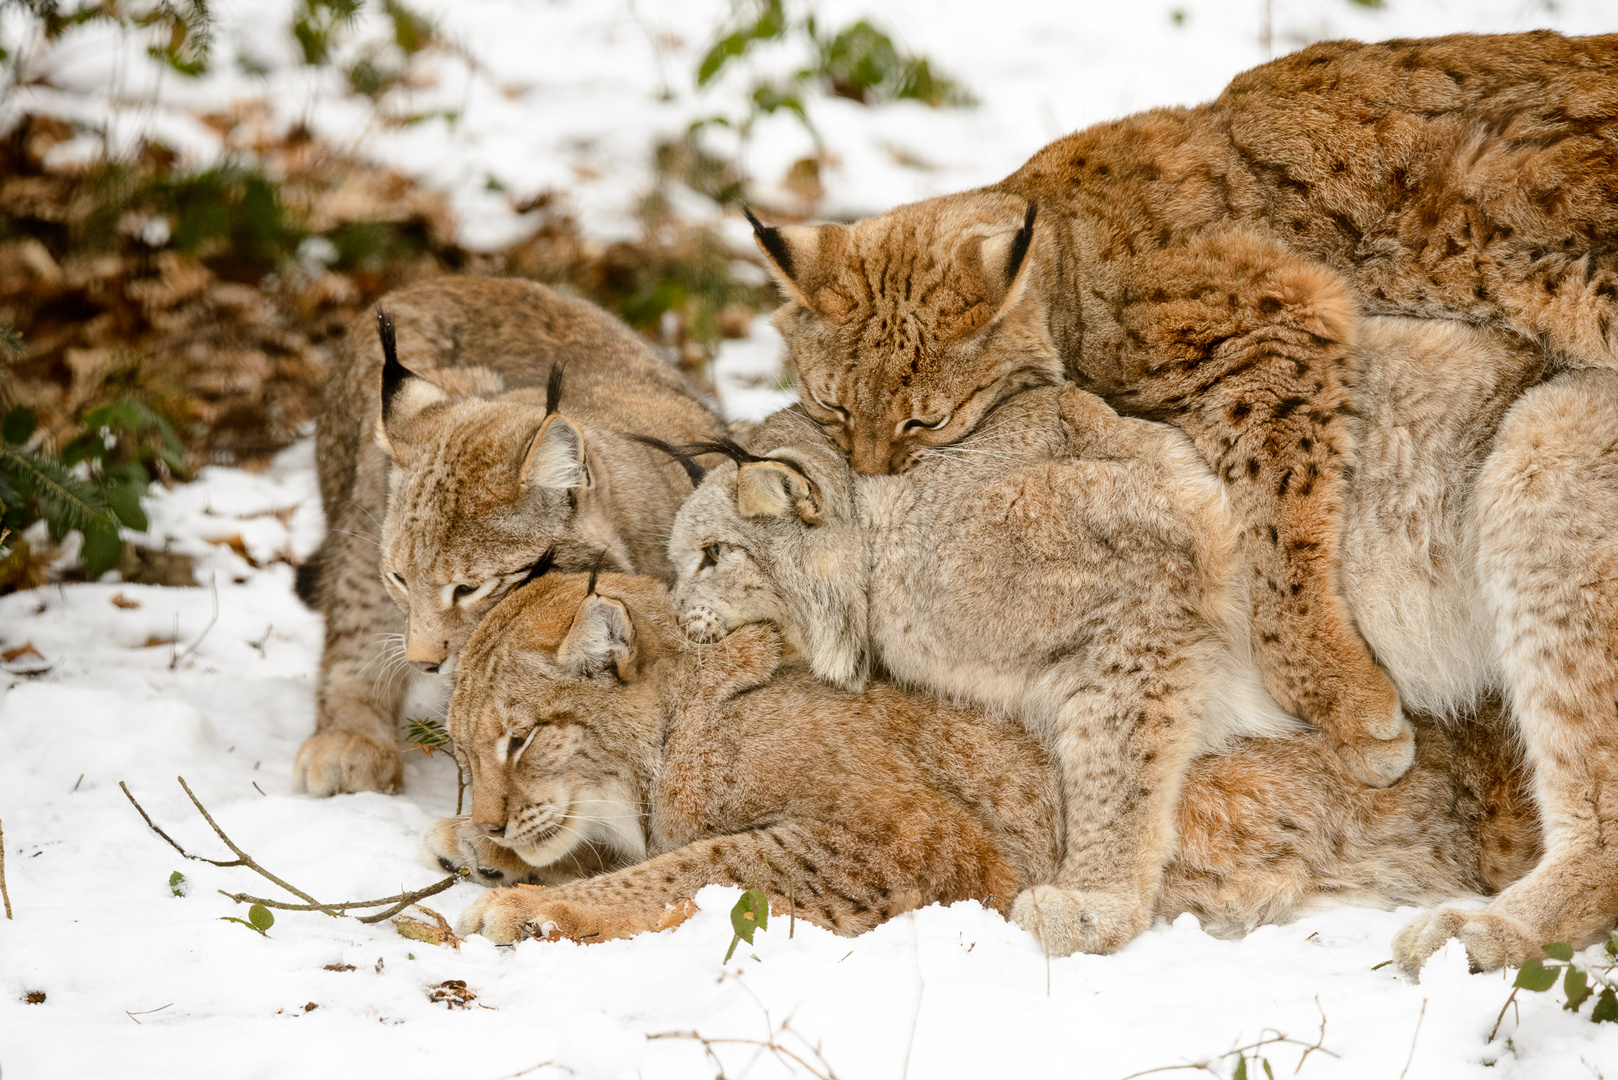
(1208, 267)
(484, 447)
(1480, 559)
(1067, 567)
(592, 725)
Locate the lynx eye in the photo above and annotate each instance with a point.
(398, 580)
(919, 424)
(460, 593)
(518, 743)
(831, 407)
(710, 557)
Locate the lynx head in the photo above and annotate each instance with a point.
(906, 329)
(482, 494)
(558, 713)
(774, 537)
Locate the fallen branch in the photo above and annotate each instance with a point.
(769, 1044)
(213, 588)
(392, 904)
(6, 896)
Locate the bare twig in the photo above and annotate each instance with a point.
(1207, 1066)
(921, 988)
(213, 588)
(4, 895)
(395, 904)
(1419, 1018)
(144, 1012)
(1501, 1018)
(1320, 1040)
(770, 1044)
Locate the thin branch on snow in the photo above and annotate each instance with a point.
(1274, 1040)
(213, 589)
(4, 895)
(394, 904)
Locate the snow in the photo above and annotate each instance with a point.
(570, 94)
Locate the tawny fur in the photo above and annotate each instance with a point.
(431, 519)
(1479, 560)
(1065, 566)
(853, 806)
(1208, 266)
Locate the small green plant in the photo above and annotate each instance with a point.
(429, 735)
(1581, 980)
(750, 915)
(259, 920)
(177, 883)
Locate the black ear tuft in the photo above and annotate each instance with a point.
(770, 239)
(729, 447)
(692, 469)
(393, 373)
(553, 388)
(595, 572)
(540, 568)
(1021, 243)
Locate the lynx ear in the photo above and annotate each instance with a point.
(772, 488)
(404, 394)
(555, 458)
(804, 259)
(602, 634)
(1005, 263)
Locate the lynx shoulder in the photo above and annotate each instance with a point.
(490, 446)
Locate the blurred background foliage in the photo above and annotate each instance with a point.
(157, 316)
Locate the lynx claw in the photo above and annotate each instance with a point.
(334, 762)
(1070, 921)
(1492, 941)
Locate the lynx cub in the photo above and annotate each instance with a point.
(1207, 266)
(1480, 560)
(452, 470)
(592, 724)
(1067, 566)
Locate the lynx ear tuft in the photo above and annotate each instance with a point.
(1004, 259)
(602, 636)
(687, 461)
(553, 388)
(555, 458)
(804, 260)
(404, 393)
(771, 488)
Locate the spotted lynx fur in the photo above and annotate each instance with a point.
(1209, 266)
(592, 724)
(1480, 560)
(471, 483)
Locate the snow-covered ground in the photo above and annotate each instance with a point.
(141, 684)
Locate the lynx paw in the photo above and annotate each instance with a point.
(333, 762)
(453, 845)
(1379, 760)
(508, 915)
(1071, 920)
(1492, 940)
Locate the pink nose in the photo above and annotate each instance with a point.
(489, 828)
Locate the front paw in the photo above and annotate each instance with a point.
(333, 762)
(1492, 940)
(1371, 734)
(453, 845)
(1070, 921)
(508, 915)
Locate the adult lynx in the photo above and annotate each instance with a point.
(1208, 266)
(592, 724)
(451, 470)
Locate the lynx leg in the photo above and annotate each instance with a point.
(1547, 508)
(799, 860)
(1123, 753)
(361, 689)
(1248, 345)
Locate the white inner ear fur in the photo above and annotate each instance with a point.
(803, 242)
(769, 489)
(555, 458)
(994, 253)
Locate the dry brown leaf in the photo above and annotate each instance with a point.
(11, 656)
(678, 913)
(452, 992)
(119, 600)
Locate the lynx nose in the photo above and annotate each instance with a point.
(489, 828)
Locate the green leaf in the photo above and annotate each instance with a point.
(244, 922)
(18, 425)
(124, 499)
(1612, 945)
(177, 883)
(1576, 985)
(1267, 1070)
(102, 548)
(1606, 1010)
(751, 913)
(1558, 950)
(259, 916)
(1241, 1069)
(1535, 976)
